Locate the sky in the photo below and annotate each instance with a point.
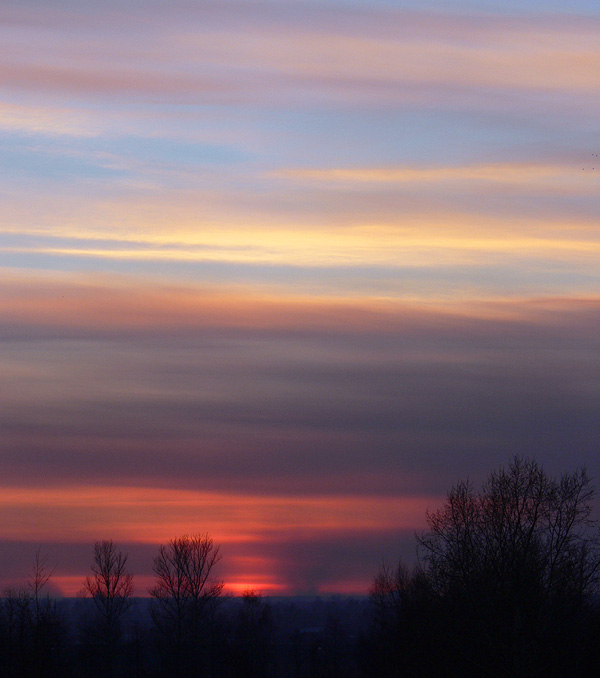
(283, 271)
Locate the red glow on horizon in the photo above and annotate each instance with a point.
(154, 515)
(260, 588)
(252, 531)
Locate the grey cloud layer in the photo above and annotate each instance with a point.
(333, 409)
(268, 53)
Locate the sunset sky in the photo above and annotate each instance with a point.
(282, 271)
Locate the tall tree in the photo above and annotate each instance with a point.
(515, 564)
(185, 590)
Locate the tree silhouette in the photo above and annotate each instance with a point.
(32, 630)
(253, 636)
(47, 624)
(515, 565)
(184, 592)
(39, 577)
(403, 633)
(111, 588)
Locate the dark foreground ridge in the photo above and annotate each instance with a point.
(244, 636)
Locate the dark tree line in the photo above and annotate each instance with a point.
(37, 640)
(32, 629)
(507, 586)
(184, 599)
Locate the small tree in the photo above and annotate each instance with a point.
(39, 577)
(185, 590)
(389, 593)
(16, 626)
(48, 633)
(403, 624)
(111, 589)
(32, 632)
(252, 649)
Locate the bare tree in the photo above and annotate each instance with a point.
(32, 638)
(111, 585)
(39, 577)
(514, 563)
(184, 591)
(47, 625)
(111, 589)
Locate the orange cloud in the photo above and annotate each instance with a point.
(154, 515)
(243, 525)
(70, 302)
(565, 178)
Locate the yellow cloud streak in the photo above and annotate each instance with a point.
(413, 240)
(377, 246)
(573, 177)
